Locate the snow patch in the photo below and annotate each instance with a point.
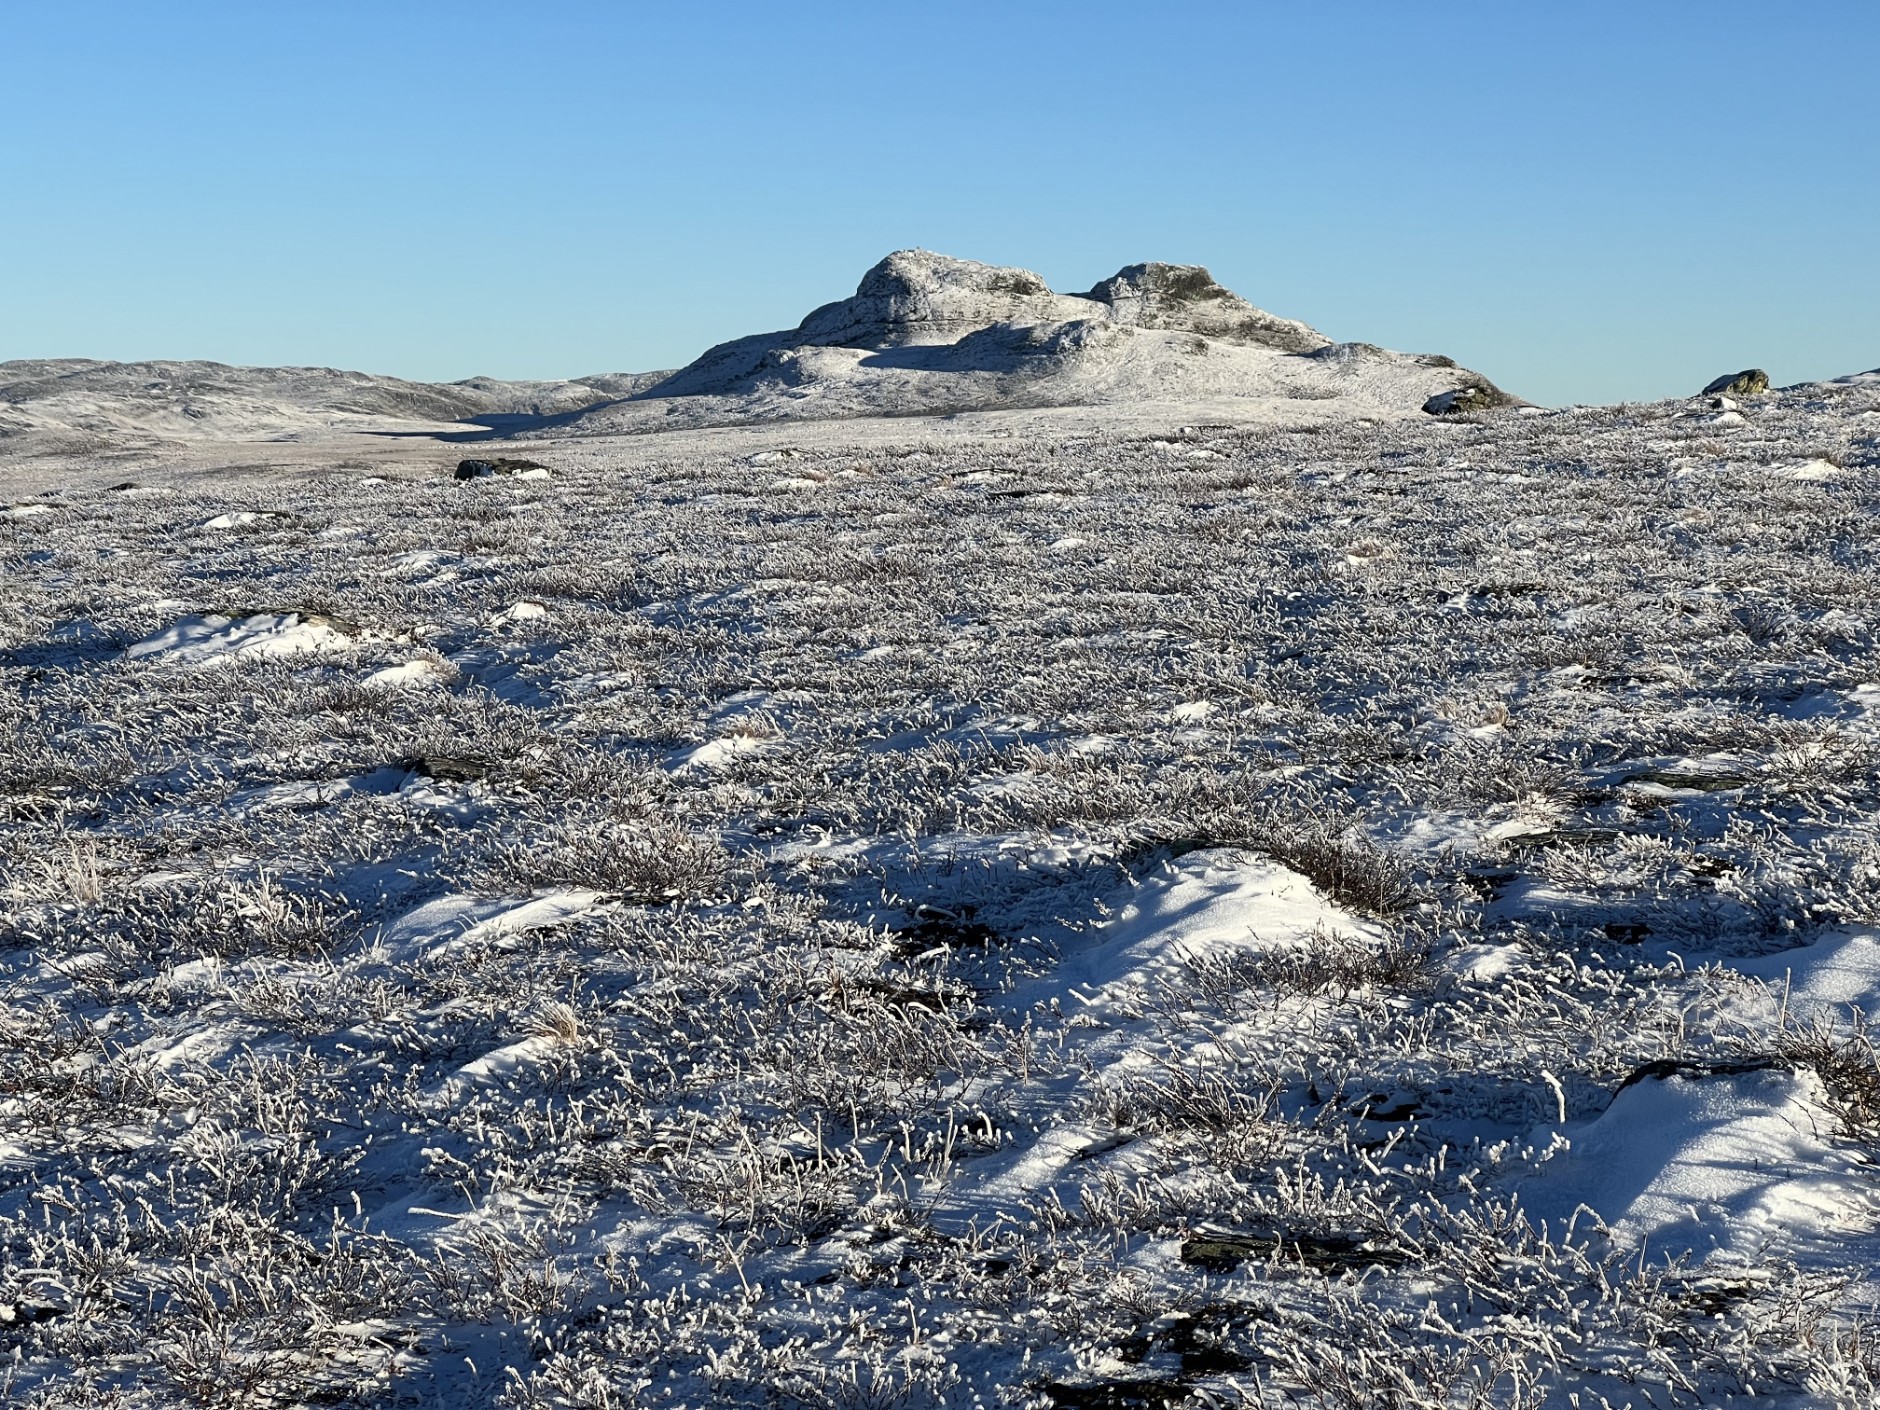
(421, 674)
(1711, 1164)
(1207, 903)
(719, 754)
(524, 611)
(1831, 976)
(207, 639)
(1808, 470)
(455, 924)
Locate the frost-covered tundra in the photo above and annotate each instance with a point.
(1374, 916)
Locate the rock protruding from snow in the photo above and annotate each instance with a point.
(1750, 382)
(1476, 395)
(913, 299)
(1184, 297)
(918, 297)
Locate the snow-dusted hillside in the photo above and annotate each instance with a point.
(74, 405)
(1361, 915)
(924, 334)
(927, 334)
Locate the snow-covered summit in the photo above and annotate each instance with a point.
(919, 297)
(923, 334)
(926, 333)
(995, 319)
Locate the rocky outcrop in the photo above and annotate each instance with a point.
(1749, 383)
(913, 299)
(1185, 297)
(917, 297)
(926, 334)
(1478, 394)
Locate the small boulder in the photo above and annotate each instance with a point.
(483, 469)
(447, 768)
(1751, 382)
(1481, 396)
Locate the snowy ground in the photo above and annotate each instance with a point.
(1370, 915)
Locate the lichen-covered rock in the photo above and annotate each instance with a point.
(1185, 298)
(1472, 396)
(1750, 382)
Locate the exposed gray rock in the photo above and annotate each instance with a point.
(1186, 298)
(1478, 395)
(916, 297)
(447, 768)
(1748, 383)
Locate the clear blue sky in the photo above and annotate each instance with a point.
(1588, 202)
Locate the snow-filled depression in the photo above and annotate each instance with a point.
(1371, 914)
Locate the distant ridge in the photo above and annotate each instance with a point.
(73, 403)
(923, 334)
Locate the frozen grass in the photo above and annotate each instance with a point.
(829, 950)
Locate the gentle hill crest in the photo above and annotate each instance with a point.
(923, 334)
(76, 403)
(926, 333)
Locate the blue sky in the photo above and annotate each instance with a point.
(1591, 202)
